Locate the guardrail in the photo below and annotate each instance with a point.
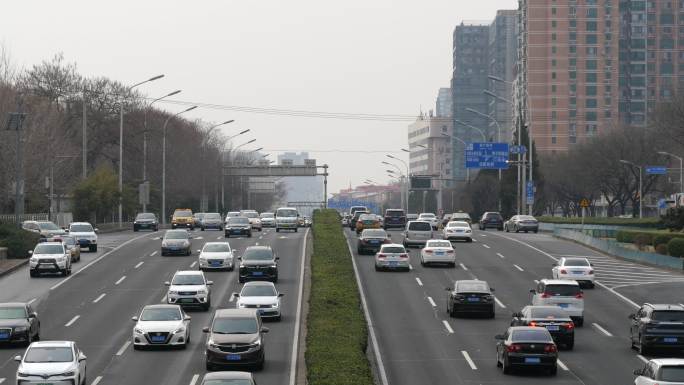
(614, 248)
(9, 218)
(599, 231)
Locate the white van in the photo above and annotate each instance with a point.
(286, 218)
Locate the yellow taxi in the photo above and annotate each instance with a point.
(183, 218)
(367, 221)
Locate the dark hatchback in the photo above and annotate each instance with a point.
(394, 218)
(236, 338)
(553, 318)
(470, 297)
(238, 226)
(258, 263)
(491, 220)
(657, 327)
(371, 240)
(146, 221)
(526, 347)
(19, 323)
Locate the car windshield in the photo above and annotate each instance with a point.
(576, 262)
(393, 250)
(286, 213)
(266, 215)
(373, 234)
(668, 315)
(258, 254)
(49, 354)
(460, 216)
(84, 228)
(238, 221)
(493, 216)
(235, 326)
(550, 312)
(672, 373)
(144, 216)
(227, 382)
(160, 314)
(420, 226)
(12, 313)
(182, 213)
(394, 213)
(458, 224)
(181, 234)
(426, 216)
(251, 215)
(187, 279)
(439, 244)
(212, 216)
(258, 291)
(43, 248)
(47, 226)
(562, 290)
(216, 248)
(540, 335)
(472, 287)
(233, 214)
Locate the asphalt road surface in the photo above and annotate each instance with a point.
(419, 343)
(95, 304)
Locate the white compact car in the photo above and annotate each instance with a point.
(52, 362)
(661, 371)
(392, 256)
(429, 217)
(267, 219)
(50, 257)
(564, 293)
(262, 296)
(161, 325)
(575, 269)
(458, 230)
(189, 288)
(85, 234)
(438, 251)
(216, 255)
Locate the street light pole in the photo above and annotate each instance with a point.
(121, 108)
(223, 187)
(641, 191)
(681, 168)
(205, 200)
(163, 210)
(408, 180)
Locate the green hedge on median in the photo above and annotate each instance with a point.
(644, 222)
(648, 237)
(337, 335)
(17, 241)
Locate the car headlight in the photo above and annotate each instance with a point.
(33, 260)
(173, 292)
(241, 305)
(67, 374)
(179, 330)
(202, 291)
(212, 344)
(20, 329)
(469, 231)
(273, 266)
(186, 243)
(22, 374)
(275, 305)
(164, 244)
(138, 330)
(257, 343)
(202, 259)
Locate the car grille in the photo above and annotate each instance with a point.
(187, 293)
(46, 260)
(234, 348)
(258, 306)
(152, 337)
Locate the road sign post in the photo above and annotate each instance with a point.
(584, 203)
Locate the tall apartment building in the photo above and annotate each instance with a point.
(430, 151)
(567, 69)
(503, 45)
(443, 104)
(469, 80)
(651, 56)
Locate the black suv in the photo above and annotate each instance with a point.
(236, 339)
(146, 221)
(394, 218)
(657, 326)
(491, 220)
(258, 263)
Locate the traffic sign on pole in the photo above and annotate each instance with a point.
(487, 155)
(656, 170)
(529, 192)
(584, 203)
(518, 149)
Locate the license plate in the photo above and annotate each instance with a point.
(670, 340)
(577, 272)
(175, 248)
(215, 263)
(45, 266)
(532, 360)
(563, 305)
(553, 328)
(374, 242)
(185, 300)
(237, 231)
(158, 338)
(473, 299)
(257, 273)
(4, 336)
(393, 263)
(439, 253)
(459, 231)
(233, 357)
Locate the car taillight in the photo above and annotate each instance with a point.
(403, 256)
(382, 256)
(387, 241)
(450, 251)
(545, 295)
(591, 272)
(362, 240)
(579, 295)
(514, 348)
(563, 271)
(428, 251)
(551, 348)
(569, 325)
(533, 323)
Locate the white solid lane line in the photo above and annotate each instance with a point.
(431, 302)
(72, 321)
(29, 302)
(123, 348)
(194, 379)
(138, 265)
(483, 235)
(470, 360)
(96, 300)
(518, 267)
(499, 303)
(153, 254)
(602, 330)
(562, 365)
(96, 381)
(232, 298)
(448, 327)
(298, 315)
(163, 300)
(420, 283)
(120, 280)
(463, 267)
(193, 264)
(500, 255)
(486, 246)
(219, 237)
(256, 244)
(200, 238)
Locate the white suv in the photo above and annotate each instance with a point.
(665, 371)
(189, 288)
(562, 293)
(85, 234)
(60, 361)
(50, 257)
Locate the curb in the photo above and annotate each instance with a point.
(301, 378)
(14, 268)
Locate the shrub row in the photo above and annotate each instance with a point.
(17, 241)
(636, 222)
(337, 335)
(664, 242)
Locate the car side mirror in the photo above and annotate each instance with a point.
(134, 319)
(205, 329)
(30, 252)
(236, 295)
(187, 318)
(554, 265)
(516, 315)
(209, 283)
(277, 258)
(240, 258)
(499, 337)
(492, 289)
(264, 329)
(17, 358)
(447, 289)
(281, 294)
(167, 283)
(81, 357)
(97, 230)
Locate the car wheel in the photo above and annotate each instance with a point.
(498, 363)
(296, 229)
(210, 367)
(492, 314)
(135, 229)
(249, 235)
(580, 322)
(173, 227)
(202, 228)
(227, 235)
(93, 248)
(553, 371)
(469, 240)
(136, 347)
(192, 227)
(260, 365)
(642, 349)
(506, 229)
(277, 230)
(500, 228)
(241, 280)
(275, 280)
(506, 367)
(278, 318)
(536, 231)
(377, 268)
(570, 345)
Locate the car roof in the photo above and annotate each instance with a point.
(438, 240)
(216, 243)
(225, 375)
(50, 243)
(260, 247)
(79, 223)
(665, 306)
(12, 304)
(242, 313)
(258, 283)
(189, 272)
(392, 245)
(668, 361)
(420, 222)
(453, 222)
(559, 282)
(52, 344)
(162, 306)
(530, 328)
(470, 281)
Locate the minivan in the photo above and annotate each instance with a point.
(562, 293)
(417, 233)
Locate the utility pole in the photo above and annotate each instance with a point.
(15, 122)
(85, 136)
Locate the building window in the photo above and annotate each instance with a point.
(553, 37)
(591, 77)
(553, 101)
(553, 62)
(573, 24)
(591, 39)
(592, 26)
(591, 64)
(553, 49)
(591, 103)
(590, 90)
(553, 140)
(553, 11)
(553, 24)
(554, 115)
(572, 74)
(553, 75)
(572, 101)
(553, 128)
(590, 116)
(592, 13)
(553, 88)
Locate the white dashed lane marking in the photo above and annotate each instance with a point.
(463, 266)
(420, 283)
(500, 255)
(469, 360)
(29, 302)
(431, 302)
(194, 379)
(123, 348)
(96, 381)
(138, 265)
(486, 246)
(96, 300)
(562, 365)
(153, 254)
(72, 321)
(518, 267)
(499, 303)
(602, 330)
(120, 280)
(448, 327)
(193, 264)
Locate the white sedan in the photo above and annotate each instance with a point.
(458, 230)
(60, 361)
(574, 269)
(262, 296)
(429, 217)
(438, 251)
(392, 256)
(216, 255)
(161, 325)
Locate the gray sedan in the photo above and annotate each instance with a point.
(520, 223)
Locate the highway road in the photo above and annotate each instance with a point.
(419, 343)
(95, 304)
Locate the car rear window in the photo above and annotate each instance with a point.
(550, 312)
(394, 213)
(212, 216)
(493, 216)
(474, 287)
(238, 221)
(374, 234)
(286, 213)
(562, 290)
(145, 216)
(458, 224)
(182, 213)
(668, 315)
(540, 335)
(438, 244)
(672, 373)
(394, 250)
(420, 226)
(428, 216)
(576, 262)
(367, 217)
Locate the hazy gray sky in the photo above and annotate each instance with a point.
(356, 56)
